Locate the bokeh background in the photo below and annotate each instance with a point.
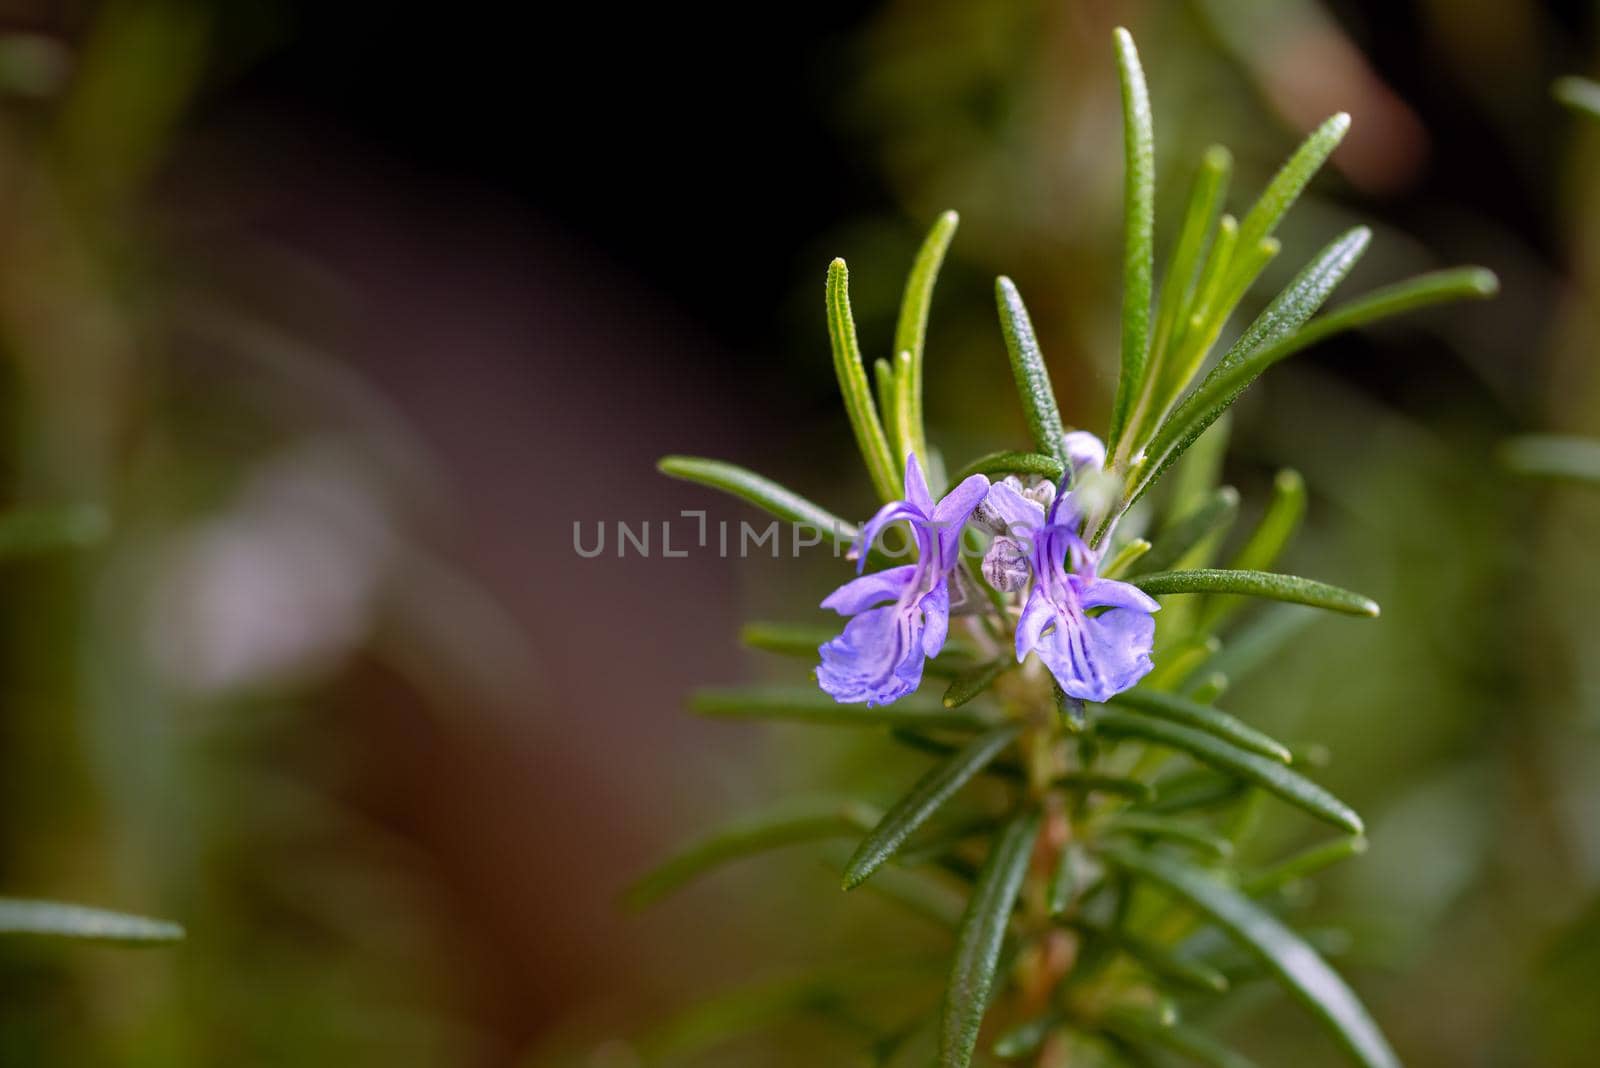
(346, 313)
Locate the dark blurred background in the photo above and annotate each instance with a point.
(346, 314)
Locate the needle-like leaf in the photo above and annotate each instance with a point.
(1266, 543)
(858, 401)
(1000, 464)
(1295, 964)
(1553, 456)
(983, 929)
(1254, 768)
(808, 705)
(44, 528)
(1579, 94)
(1180, 832)
(923, 800)
(1266, 584)
(1189, 713)
(1033, 379)
(764, 493)
(1142, 1029)
(971, 683)
(52, 919)
(1287, 184)
(910, 334)
(1138, 231)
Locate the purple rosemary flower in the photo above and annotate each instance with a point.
(1093, 634)
(879, 657)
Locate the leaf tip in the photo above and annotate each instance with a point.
(1483, 282)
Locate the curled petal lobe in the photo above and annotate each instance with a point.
(1021, 517)
(1109, 593)
(1085, 451)
(858, 595)
(1037, 614)
(894, 512)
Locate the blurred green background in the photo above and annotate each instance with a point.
(346, 316)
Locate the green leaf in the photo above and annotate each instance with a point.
(1266, 543)
(884, 381)
(983, 929)
(903, 414)
(808, 705)
(923, 800)
(1287, 184)
(1000, 464)
(1033, 380)
(1194, 789)
(789, 824)
(1180, 832)
(1287, 312)
(52, 919)
(852, 376)
(32, 529)
(1169, 706)
(1179, 537)
(1142, 1029)
(761, 492)
(1295, 964)
(1266, 584)
(1553, 456)
(1178, 287)
(1138, 231)
(1244, 364)
(1306, 862)
(1270, 775)
(971, 683)
(1125, 558)
(1579, 94)
(910, 334)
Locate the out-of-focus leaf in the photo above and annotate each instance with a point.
(983, 929)
(764, 493)
(910, 334)
(883, 380)
(789, 824)
(1195, 788)
(1180, 832)
(1294, 963)
(45, 528)
(923, 800)
(971, 683)
(1211, 720)
(999, 464)
(54, 920)
(1033, 380)
(901, 415)
(858, 401)
(1300, 865)
(1553, 456)
(807, 705)
(1270, 775)
(1266, 584)
(1178, 538)
(1125, 558)
(1579, 94)
(1138, 232)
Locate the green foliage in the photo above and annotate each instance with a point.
(54, 920)
(1050, 817)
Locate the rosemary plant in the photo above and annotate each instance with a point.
(1103, 911)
